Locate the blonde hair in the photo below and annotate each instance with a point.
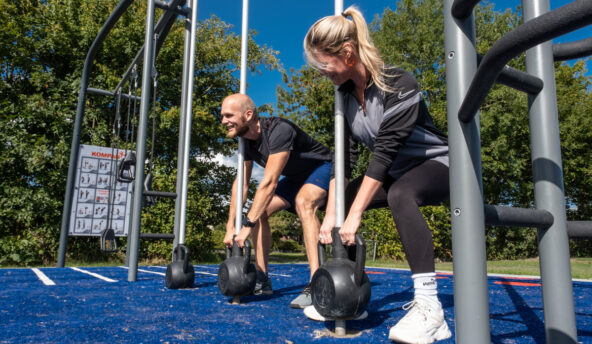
(329, 34)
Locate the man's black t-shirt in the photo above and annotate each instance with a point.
(281, 135)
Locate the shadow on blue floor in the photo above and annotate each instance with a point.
(105, 308)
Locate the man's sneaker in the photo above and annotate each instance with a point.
(422, 324)
(303, 300)
(263, 287)
(312, 314)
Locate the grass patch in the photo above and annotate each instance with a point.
(580, 267)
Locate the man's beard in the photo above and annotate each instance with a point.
(240, 129)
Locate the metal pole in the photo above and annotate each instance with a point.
(466, 200)
(340, 326)
(241, 145)
(134, 244)
(187, 133)
(558, 302)
(90, 56)
(182, 113)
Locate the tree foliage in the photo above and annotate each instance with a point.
(43, 45)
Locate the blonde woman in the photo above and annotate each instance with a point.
(385, 111)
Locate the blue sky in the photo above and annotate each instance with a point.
(283, 24)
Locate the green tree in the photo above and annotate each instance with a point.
(43, 46)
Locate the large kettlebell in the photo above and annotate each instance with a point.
(237, 275)
(180, 273)
(340, 288)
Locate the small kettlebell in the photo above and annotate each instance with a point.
(180, 273)
(340, 288)
(237, 275)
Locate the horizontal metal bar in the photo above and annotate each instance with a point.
(160, 194)
(552, 24)
(175, 9)
(463, 8)
(572, 50)
(517, 217)
(579, 229)
(109, 93)
(518, 79)
(157, 236)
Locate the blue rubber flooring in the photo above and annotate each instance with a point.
(102, 307)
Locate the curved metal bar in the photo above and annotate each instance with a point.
(90, 56)
(572, 50)
(540, 29)
(162, 28)
(518, 79)
(463, 8)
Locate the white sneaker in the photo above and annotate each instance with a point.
(312, 314)
(422, 324)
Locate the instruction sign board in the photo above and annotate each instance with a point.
(97, 192)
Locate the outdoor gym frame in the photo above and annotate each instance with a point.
(467, 84)
(154, 37)
(469, 78)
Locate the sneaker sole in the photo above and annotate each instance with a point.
(312, 314)
(442, 333)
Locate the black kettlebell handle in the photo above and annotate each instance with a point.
(322, 248)
(181, 252)
(360, 259)
(340, 252)
(237, 251)
(322, 253)
(247, 259)
(234, 250)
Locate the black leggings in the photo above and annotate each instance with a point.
(425, 184)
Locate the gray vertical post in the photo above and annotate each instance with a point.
(560, 324)
(340, 328)
(187, 132)
(181, 148)
(466, 199)
(241, 145)
(134, 244)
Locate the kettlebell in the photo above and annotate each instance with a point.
(237, 275)
(340, 288)
(180, 273)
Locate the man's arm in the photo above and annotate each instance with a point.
(230, 228)
(266, 189)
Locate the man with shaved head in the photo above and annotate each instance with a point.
(286, 151)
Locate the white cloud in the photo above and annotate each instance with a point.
(232, 161)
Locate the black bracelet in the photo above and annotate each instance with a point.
(247, 222)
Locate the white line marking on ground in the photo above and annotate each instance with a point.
(148, 271)
(164, 267)
(43, 277)
(94, 275)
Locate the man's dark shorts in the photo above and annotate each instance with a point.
(288, 189)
